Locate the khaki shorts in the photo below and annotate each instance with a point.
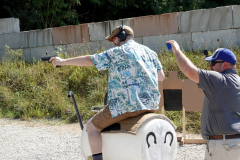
(222, 150)
(104, 118)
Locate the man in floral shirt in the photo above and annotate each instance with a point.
(134, 72)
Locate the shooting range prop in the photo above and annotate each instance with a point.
(192, 101)
(182, 95)
(172, 93)
(145, 137)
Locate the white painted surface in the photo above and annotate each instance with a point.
(125, 146)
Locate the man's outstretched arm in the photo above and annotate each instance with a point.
(185, 65)
(77, 61)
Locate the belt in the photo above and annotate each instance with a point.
(233, 136)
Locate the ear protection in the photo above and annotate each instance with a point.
(122, 35)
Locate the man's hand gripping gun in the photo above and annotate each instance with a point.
(48, 58)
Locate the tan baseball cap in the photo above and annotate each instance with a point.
(116, 30)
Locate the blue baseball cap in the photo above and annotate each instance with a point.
(223, 54)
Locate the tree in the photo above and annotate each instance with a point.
(102, 10)
(40, 14)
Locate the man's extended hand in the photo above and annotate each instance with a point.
(185, 65)
(175, 46)
(57, 61)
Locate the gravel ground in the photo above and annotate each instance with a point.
(23, 140)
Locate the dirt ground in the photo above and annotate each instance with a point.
(61, 126)
(57, 125)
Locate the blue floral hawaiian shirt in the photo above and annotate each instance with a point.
(133, 80)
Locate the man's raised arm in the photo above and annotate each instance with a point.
(185, 65)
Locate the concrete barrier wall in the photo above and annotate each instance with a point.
(38, 52)
(98, 31)
(38, 38)
(9, 25)
(14, 40)
(155, 25)
(83, 48)
(205, 20)
(158, 43)
(70, 34)
(212, 40)
(193, 30)
(236, 16)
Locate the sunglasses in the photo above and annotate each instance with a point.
(212, 63)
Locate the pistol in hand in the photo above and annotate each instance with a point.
(48, 58)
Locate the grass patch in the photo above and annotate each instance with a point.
(40, 91)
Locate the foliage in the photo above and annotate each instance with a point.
(102, 10)
(40, 91)
(13, 55)
(40, 14)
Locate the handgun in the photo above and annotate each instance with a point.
(205, 52)
(48, 58)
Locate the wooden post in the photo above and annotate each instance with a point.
(90, 158)
(184, 127)
(162, 110)
(184, 123)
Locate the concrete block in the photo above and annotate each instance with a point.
(236, 16)
(70, 34)
(126, 21)
(158, 43)
(87, 48)
(27, 56)
(205, 20)
(2, 52)
(215, 39)
(139, 40)
(114, 24)
(9, 25)
(98, 31)
(105, 45)
(155, 25)
(14, 40)
(39, 38)
(38, 52)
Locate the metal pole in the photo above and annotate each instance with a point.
(70, 94)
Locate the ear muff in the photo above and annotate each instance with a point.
(122, 34)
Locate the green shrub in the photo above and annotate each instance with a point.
(38, 90)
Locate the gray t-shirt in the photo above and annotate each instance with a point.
(221, 106)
